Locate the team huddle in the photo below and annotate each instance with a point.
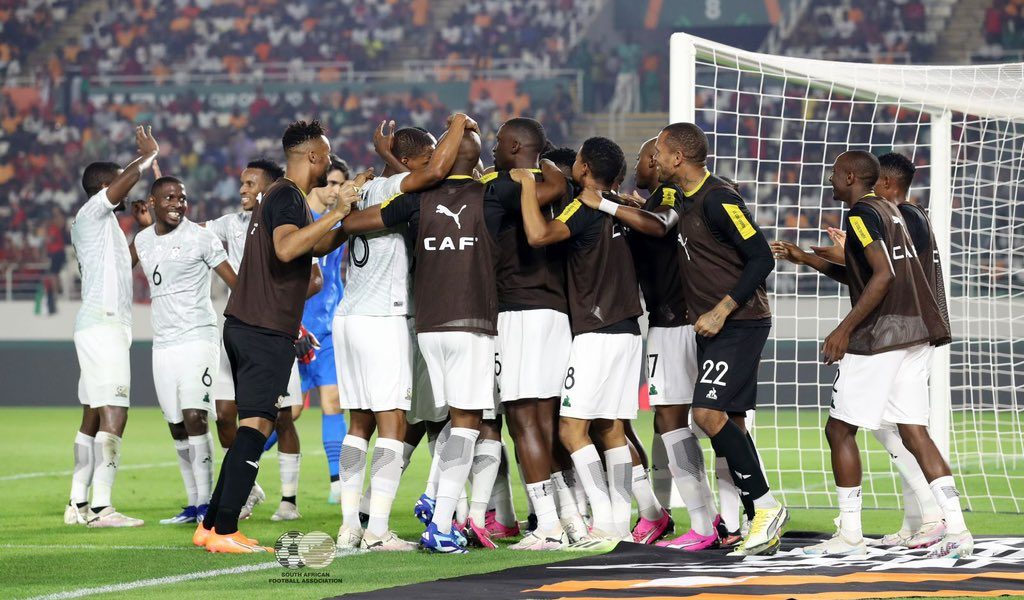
(477, 297)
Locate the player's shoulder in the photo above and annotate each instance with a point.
(145, 236)
(667, 194)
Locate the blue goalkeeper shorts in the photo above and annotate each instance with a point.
(321, 371)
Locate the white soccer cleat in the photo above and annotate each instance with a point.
(599, 541)
(109, 517)
(256, 495)
(555, 540)
(286, 511)
(900, 539)
(767, 525)
(928, 535)
(74, 515)
(390, 542)
(953, 545)
(575, 529)
(349, 538)
(838, 545)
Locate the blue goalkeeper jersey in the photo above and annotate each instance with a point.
(319, 311)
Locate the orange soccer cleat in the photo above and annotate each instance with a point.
(202, 534)
(235, 543)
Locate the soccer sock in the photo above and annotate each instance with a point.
(578, 492)
(619, 465)
(948, 499)
(201, 453)
(407, 450)
(850, 501)
(352, 469)
(661, 477)
(188, 472)
(486, 461)
(456, 459)
(270, 441)
(289, 464)
(565, 500)
(332, 431)
(590, 475)
(462, 506)
(728, 495)
(239, 473)
(106, 458)
(686, 463)
(919, 504)
(542, 494)
(646, 502)
(743, 465)
(501, 495)
(522, 480)
(218, 489)
(435, 466)
(750, 502)
(81, 477)
(385, 474)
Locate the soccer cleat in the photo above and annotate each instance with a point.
(424, 509)
(390, 542)
(598, 541)
(767, 525)
(648, 532)
(575, 529)
(953, 545)
(837, 545)
(691, 541)
(76, 515)
(554, 540)
(349, 538)
(286, 511)
(900, 539)
(768, 549)
(109, 517)
(928, 534)
(201, 512)
(187, 515)
(478, 536)
(200, 536)
(235, 543)
(441, 543)
(459, 531)
(496, 529)
(256, 495)
(730, 540)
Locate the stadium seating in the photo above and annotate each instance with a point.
(24, 24)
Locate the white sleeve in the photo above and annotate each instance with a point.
(97, 206)
(219, 228)
(214, 253)
(393, 185)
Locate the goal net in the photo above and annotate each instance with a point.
(776, 124)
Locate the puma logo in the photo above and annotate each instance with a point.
(443, 210)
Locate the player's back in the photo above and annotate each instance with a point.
(104, 262)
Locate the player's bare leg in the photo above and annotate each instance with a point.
(484, 472)
(77, 510)
(351, 473)
(227, 422)
(846, 469)
(107, 457)
(289, 459)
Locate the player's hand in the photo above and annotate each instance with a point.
(521, 176)
(835, 345)
(788, 251)
(384, 138)
(833, 254)
(306, 346)
(838, 236)
(141, 214)
(590, 198)
(145, 141)
(362, 177)
(349, 195)
(633, 199)
(711, 322)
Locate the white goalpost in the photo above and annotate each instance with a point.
(775, 124)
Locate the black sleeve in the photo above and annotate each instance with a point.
(918, 227)
(286, 207)
(730, 221)
(584, 223)
(399, 209)
(503, 190)
(863, 226)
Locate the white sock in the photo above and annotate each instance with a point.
(434, 474)
(188, 473)
(850, 502)
(107, 456)
(728, 495)
(351, 469)
(501, 494)
(619, 466)
(201, 453)
(407, 450)
(364, 502)
(454, 464)
(289, 465)
(484, 472)
(948, 499)
(590, 475)
(661, 477)
(646, 502)
(543, 495)
(565, 500)
(385, 474)
(462, 506)
(686, 462)
(81, 477)
(580, 493)
(923, 509)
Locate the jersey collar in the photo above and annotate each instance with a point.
(699, 186)
(296, 187)
(459, 177)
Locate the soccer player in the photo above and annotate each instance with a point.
(883, 347)
(374, 354)
(923, 523)
(103, 335)
(454, 226)
(564, 159)
(263, 315)
(176, 256)
(599, 388)
(725, 262)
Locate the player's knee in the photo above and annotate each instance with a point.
(196, 422)
(572, 433)
(837, 431)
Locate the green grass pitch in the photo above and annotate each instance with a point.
(40, 556)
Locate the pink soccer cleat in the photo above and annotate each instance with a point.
(497, 530)
(691, 542)
(648, 532)
(478, 536)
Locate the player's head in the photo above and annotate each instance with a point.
(339, 170)
(308, 150)
(599, 162)
(256, 177)
(519, 142)
(621, 177)
(680, 147)
(469, 154)
(413, 147)
(564, 158)
(896, 173)
(853, 175)
(169, 202)
(646, 172)
(98, 175)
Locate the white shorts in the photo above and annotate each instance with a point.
(890, 387)
(374, 356)
(223, 384)
(293, 397)
(461, 367)
(105, 362)
(603, 378)
(532, 353)
(671, 365)
(183, 375)
(423, 408)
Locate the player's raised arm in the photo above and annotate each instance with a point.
(443, 158)
(554, 185)
(349, 196)
(126, 179)
(656, 224)
(143, 218)
(539, 231)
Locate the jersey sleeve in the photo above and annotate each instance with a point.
(863, 226)
(728, 218)
(579, 218)
(667, 196)
(918, 227)
(399, 209)
(213, 250)
(287, 210)
(97, 206)
(219, 227)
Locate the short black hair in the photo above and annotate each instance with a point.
(272, 170)
(563, 157)
(531, 130)
(604, 157)
(410, 142)
(300, 132)
(900, 166)
(98, 175)
(689, 139)
(163, 180)
(863, 165)
(339, 164)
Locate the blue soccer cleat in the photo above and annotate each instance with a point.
(424, 509)
(187, 515)
(201, 512)
(441, 543)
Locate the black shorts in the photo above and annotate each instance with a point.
(261, 364)
(727, 367)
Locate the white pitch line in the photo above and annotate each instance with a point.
(141, 583)
(69, 472)
(89, 547)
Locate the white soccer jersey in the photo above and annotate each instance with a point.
(105, 264)
(230, 229)
(177, 266)
(377, 281)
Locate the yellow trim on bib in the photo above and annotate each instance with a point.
(861, 230)
(569, 211)
(740, 220)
